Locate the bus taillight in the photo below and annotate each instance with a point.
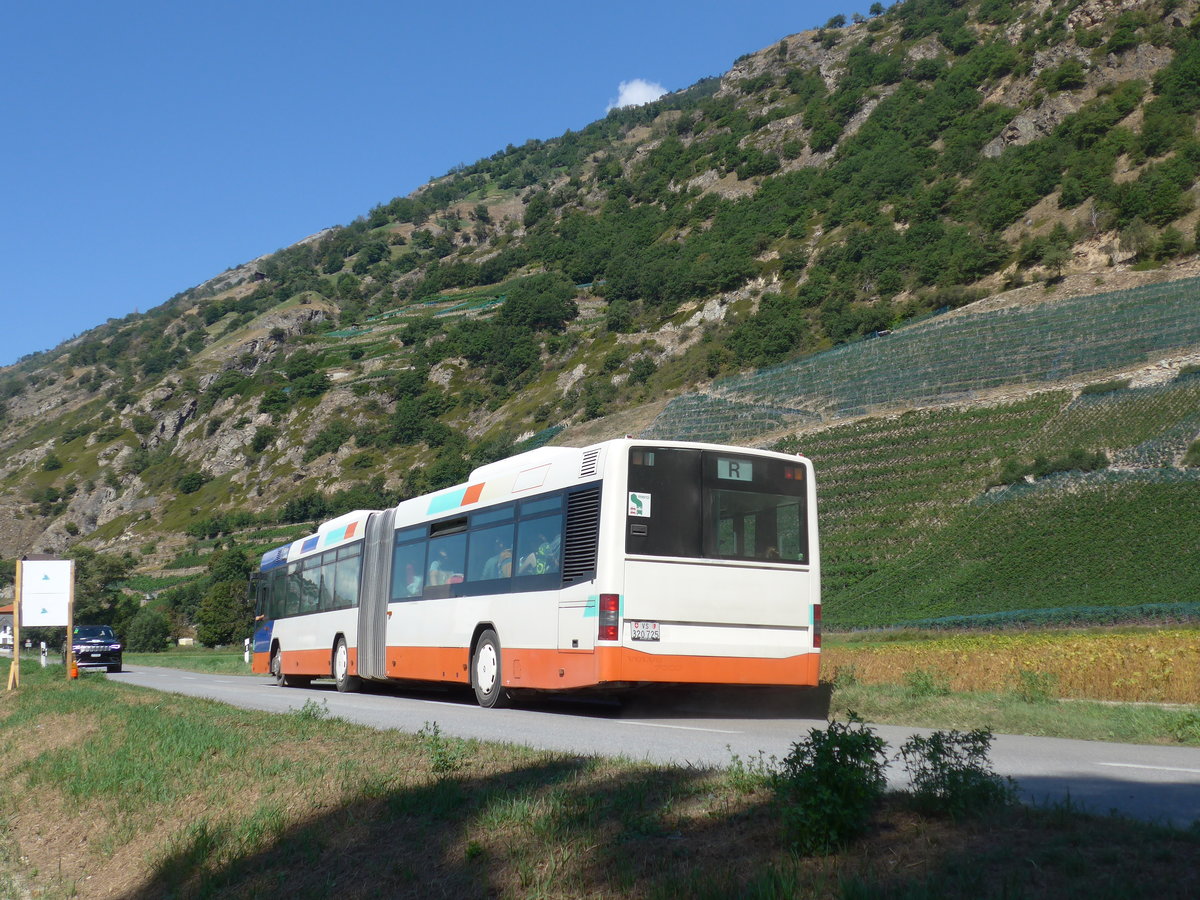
(610, 604)
(816, 625)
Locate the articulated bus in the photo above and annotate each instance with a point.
(619, 565)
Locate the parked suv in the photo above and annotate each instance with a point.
(95, 646)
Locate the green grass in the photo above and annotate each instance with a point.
(174, 796)
(194, 659)
(148, 583)
(883, 482)
(910, 531)
(913, 706)
(1067, 545)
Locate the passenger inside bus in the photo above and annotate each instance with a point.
(439, 569)
(499, 565)
(542, 558)
(412, 580)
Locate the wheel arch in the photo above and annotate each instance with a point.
(475, 636)
(339, 636)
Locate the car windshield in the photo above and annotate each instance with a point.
(94, 632)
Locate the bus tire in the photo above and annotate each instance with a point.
(486, 676)
(277, 667)
(346, 683)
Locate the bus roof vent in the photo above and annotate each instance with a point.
(590, 457)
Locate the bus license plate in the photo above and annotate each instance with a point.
(644, 631)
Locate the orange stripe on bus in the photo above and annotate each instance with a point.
(429, 663)
(624, 664)
(548, 669)
(472, 494)
(307, 662)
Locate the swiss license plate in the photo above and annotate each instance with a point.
(645, 631)
(94, 655)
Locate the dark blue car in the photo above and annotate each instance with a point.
(95, 646)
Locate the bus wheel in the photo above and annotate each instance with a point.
(341, 668)
(486, 677)
(277, 668)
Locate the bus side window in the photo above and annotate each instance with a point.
(447, 558)
(328, 574)
(408, 567)
(310, 596)
(491, 553)
(292, 607)
(346, 580)
(278, 593)
(539, 545)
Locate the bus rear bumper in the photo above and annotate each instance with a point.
(623, 664)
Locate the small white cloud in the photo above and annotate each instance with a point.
(635, 93)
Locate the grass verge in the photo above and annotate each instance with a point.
(114, 790)
(922, 703)
(225, 661)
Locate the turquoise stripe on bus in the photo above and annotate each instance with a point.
(592, 610)
(446, 502)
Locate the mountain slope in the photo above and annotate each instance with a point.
(838, 184)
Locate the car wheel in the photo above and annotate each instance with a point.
(486, 676)
(346, 683)
(277, 668)
(116, 668)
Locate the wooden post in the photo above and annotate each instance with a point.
(69, 656)
(14, 671)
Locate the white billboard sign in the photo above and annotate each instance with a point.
(46, 592)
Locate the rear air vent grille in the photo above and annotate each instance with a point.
(582, 535)
(588, 469)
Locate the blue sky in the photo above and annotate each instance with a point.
(149, 146)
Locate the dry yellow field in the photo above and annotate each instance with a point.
(1151, 665)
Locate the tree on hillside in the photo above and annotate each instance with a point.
(98, 599)
(539, 302)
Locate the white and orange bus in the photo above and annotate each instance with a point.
(623, 564)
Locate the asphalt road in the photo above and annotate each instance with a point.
(1159, 784)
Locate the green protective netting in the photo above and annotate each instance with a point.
(700, 417)
(953, 358)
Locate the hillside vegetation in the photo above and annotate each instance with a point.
(945, 249)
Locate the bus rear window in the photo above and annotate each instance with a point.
(716, 505)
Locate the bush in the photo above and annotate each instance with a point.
(951, 774)
(1105, 387)
(191, 482)
(329, 439)
(829, 785)
(148, 632)
(1075, 460)
(264, 437)
(1036, 687)
(927, 683)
